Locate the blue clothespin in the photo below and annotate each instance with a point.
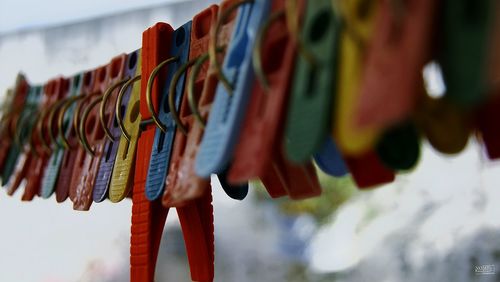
(163, 142)
(229, 108)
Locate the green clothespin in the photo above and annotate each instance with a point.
(466, 32)
(309, 117)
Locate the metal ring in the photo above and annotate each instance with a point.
(292, 20)
(149, 99)
(191, 100)
(76, 114)
(257, 53)
(118, 110)
(102, 110)
(57, 106)
(360, 37)
(60, 119)
(212, 46)
(21, 125)
(83, 135)
(32, 146)
(39, 129)
(171, 95)
(78, 109)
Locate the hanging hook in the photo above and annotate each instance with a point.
(171, 96)
(119, 115)
(212, 47)
(149, 99)
(83, 133)
(257, 53)
(60, 120)
(102, 109)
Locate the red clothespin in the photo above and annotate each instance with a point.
(20, 93)
(92, 133)
(488, 114)
(186, 184)
(81, 84)
(368, 171)
(259, 153)
(148, 218)
(90, 80)
(54, 91)
(400, 48)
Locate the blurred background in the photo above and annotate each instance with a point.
(435, 223)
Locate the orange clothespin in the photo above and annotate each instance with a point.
(148, 218)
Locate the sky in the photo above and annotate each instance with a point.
(25, 14)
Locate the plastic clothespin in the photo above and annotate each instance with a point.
(466, 34)
(399, 146)
(446, 126)
(401, 46)
(123, 170)
(310, 106)
(53, 165)
(232, 93)
(259, 152)
(90, 85)
(53, 92)
(488, 112)
(68, 132)
(104, 174)
(148, 218)
(23, 136)
(355, 39)
(163, 142)
(368, 171)
(330, 160)
(14, 108)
